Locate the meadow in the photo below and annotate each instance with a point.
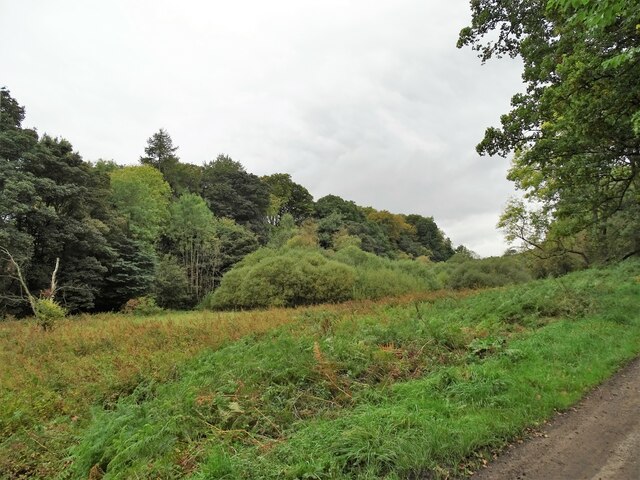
(427, 385)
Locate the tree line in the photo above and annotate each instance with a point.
(162, 227)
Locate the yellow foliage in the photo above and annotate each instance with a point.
(394, 224)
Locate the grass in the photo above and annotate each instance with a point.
(50, 381)
(409, 388)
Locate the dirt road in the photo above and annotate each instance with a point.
(597, 440)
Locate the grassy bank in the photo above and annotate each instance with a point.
(412, 386)
(50, 381)
(415, 389)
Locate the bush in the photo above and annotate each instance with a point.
(488, 272)
(289, 277)
(284, 278)
(141, 306)
(48, 312)
(373, 284)
(380, 277)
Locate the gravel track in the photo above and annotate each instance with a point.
(598, 439)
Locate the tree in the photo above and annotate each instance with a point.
(234, 243)
(431, 237)
(160, 152)
(63, 222)
(372, 237)
(393, 224)
(348, 210)
(130, 274)
(401, 233)
(287, 197)
(141, 195)
(50, 208)
(575, 131)
(183, 178)
(335, 214)
(206, 246)
(193, 240)
(19, 191)
(233, 193)
(171, 285)
(328, 227)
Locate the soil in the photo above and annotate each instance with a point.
(598, 439)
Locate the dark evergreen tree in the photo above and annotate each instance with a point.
(129, 275)
(160, 152)
(53, 205)
(233, 193)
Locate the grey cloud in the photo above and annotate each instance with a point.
(367, 100)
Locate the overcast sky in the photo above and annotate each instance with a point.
(368, 100)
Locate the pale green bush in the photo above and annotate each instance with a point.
(286, 277)
(48, 312)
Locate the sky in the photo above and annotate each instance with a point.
(368, 100)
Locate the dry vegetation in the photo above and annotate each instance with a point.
(50, 380)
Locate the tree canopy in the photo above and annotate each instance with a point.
(574, 132)
(164, 229)
(232, 192)
(287, 197)
(141, 194)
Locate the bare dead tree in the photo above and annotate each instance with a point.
(19, 277)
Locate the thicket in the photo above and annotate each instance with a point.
(283, 278)
(488, 272)
(305, 274)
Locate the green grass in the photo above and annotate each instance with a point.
(49, 381)
(393, 392)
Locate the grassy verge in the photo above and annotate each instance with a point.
(405, 391)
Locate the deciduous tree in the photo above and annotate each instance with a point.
(287, 197)
(141, 195)
(575, 130)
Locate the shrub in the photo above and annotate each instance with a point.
(48, 312)
(301, 276)
(286, 277)
(379, 277)
(141, 306)
(385, 282)
(488, 272)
